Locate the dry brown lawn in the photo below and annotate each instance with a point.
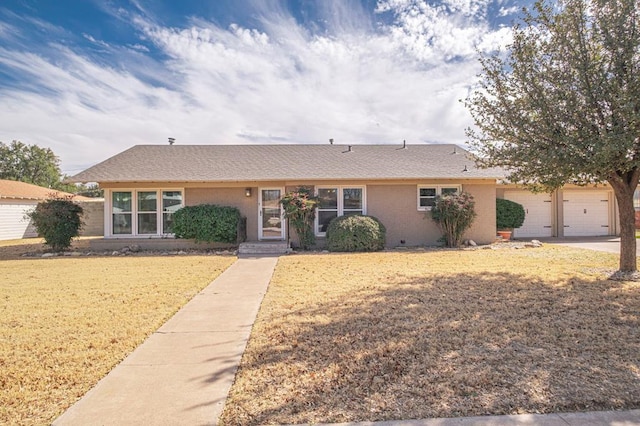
(66, 322)
(399, 335)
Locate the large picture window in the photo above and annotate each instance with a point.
(427, 194)
(148, 212)
(337, 201)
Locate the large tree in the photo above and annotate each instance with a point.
(31, 164)
(562, 104)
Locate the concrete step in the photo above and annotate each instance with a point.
(264, 247)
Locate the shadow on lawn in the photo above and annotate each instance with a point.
(443, 346)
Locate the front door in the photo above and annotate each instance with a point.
(270, 212)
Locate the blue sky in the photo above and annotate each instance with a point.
(90, 78)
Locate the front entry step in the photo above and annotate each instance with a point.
(264, 247)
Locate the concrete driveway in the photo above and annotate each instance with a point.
(606, 244)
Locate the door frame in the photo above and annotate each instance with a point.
(261, 237)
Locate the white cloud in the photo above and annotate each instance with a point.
(282, 83)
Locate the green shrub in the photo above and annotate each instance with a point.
(509, 214)
(454, 213)
(207, 223)
(58, 221)
(355, 233)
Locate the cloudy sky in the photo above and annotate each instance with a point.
(90, 78)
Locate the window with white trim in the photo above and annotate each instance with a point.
(145, 212)
(334, 201)
(427, 194)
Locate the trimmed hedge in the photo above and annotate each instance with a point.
(355, 233)
(208, 223)
(509, 214)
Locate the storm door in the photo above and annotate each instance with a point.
(270, 220)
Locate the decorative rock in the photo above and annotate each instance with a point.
(49, 255)
(472, 243)
(134, 248)
(115, 253)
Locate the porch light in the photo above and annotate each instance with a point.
(247, 192)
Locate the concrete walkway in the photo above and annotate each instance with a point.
(183, 372)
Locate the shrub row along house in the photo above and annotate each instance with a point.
(398, 184)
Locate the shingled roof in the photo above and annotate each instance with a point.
(11, 189)
(234, 163)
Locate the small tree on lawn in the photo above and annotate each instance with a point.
(300, 209)
(454, 213)
(58, 221)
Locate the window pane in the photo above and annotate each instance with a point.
(271, 198)
(147, 223)
(349, 212)
(121, 201)
(271, 222)
(427, 192)
(427, 202)
(167, 223)
(446, 191)
(147, 201)
(324, 218)
(327, 198)
(352, 198)
(122, 223)
(171, 201)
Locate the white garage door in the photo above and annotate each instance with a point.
(586, 213)
(13, 226)
(538, 220)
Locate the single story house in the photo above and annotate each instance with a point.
(397, 184)
(18, 198)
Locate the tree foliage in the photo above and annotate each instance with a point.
(563, 104)
(454, 213)
(58, 221)
(31, 164)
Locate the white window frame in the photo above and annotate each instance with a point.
(340, 197)
(134, 212)
(438, 189)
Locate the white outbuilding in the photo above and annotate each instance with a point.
(16, 199)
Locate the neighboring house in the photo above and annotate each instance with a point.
(397, 184)
(17, 198)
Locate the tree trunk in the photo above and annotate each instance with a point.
(624, 196)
